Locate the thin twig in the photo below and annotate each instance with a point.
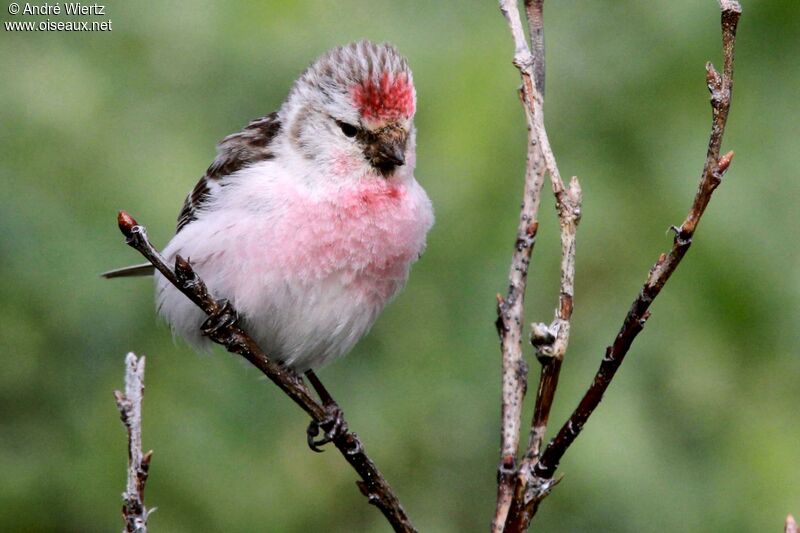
(129, 404)
(534, 12)
(224, 329)
(715, 166)
(550, 341)
(510, 316)
(551, 347)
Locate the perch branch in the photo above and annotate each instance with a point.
(510, 316)
(129, 404)
(224, 329)
(720, 87)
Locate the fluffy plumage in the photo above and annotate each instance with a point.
(309, 219)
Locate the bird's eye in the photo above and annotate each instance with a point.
(348, 129)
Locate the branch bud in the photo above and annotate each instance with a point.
(724, 162)
(126, 223)
(542, 339)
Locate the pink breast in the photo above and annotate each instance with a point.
(368, 233)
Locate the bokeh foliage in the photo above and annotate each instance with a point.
(700, 431)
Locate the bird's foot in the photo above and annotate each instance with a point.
(219, 322)
(332, 426)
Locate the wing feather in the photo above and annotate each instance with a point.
(234, 152)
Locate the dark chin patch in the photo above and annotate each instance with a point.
(384, 168)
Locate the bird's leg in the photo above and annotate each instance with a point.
(324, 396)
(333, 424)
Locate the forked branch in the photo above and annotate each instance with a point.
(510, 316)
(720, 87)
(550, 341)
(223, 328)
(535, 474)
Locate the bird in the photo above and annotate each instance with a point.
(309, 219)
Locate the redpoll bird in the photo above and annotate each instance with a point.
(309, 219)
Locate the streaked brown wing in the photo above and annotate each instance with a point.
(234, 152)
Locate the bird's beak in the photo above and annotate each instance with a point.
(392, 153)
(387, 150)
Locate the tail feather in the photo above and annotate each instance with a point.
(145, 269)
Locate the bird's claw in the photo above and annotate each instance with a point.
(221, 320)
(333, 425)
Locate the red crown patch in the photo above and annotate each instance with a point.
(391, 99)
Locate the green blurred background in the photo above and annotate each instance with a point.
(700, 431)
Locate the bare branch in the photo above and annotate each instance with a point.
(534, 12)
(715, 166)
(129, 404)
(568, 202)
(551, 347)
(550, 341)
(534, 479)
(223, 328)
(510, 317)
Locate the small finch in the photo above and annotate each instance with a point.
(309, 219)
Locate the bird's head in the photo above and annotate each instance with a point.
(350, 115)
